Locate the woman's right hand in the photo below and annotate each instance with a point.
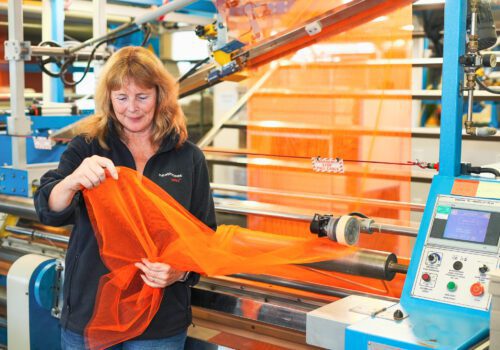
(91, 173)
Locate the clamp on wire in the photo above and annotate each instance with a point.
(426, 165)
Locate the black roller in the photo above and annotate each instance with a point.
(363, 262)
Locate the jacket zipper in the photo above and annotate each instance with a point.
(68, 299)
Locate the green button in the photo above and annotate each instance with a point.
(442, 209)
(452, 286)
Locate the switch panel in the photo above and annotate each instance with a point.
(460, 248)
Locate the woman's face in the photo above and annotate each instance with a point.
(134, 107)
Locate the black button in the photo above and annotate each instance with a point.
(398, 314)
(457, 265)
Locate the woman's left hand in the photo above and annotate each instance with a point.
(158, 275)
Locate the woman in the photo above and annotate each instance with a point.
(138, 124)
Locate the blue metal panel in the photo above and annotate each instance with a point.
(13, 182)
(5, 150)
(450, 146)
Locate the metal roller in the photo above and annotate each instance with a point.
(363, 262)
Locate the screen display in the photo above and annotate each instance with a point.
(467, 225)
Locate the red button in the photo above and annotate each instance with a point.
(426, 277)
(477, 289)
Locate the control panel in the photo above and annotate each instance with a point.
(461, 247)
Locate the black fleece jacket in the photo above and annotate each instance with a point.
(181, 172)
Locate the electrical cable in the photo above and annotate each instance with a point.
(193, 69)
(65, 66)
(68, 62)
(468, 169)
(147, 34)
(486, 87)
(42, 62)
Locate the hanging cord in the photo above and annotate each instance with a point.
(42, 62)
(65, 66)
(468, 169)
(193, 69)
(486, 87)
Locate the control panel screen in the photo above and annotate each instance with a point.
(467, 225)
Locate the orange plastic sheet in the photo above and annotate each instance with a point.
(346, 96)
(133, 218)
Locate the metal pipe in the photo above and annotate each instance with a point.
(17, 207)
(27, 210)
(399, 230)
(232, 207)
(64, 52)
(169, 7)
(398, 268)
(304, 286)
(37, 234)
(338, 198)
(363, 262)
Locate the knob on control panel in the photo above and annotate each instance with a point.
(426, 277)
(457, 265)
(434, 258)
(484, 269)
(398, 315)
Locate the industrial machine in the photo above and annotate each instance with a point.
(444, 302)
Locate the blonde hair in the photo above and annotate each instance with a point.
(146, 70)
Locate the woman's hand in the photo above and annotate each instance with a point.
(91, 173)
(158, 275)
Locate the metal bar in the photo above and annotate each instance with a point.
(147, 17)
(363, 262)
(239, 207)
(209, 136)
(450, 145)
(27, 210)
(17, 123)
(296, 38)
(304, 286)
(62, 52)
(399, 230)
(17, 209)
(479, 95)
(398, 268)
(343, 199)
(37, 234)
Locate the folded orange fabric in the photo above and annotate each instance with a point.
(134, 218)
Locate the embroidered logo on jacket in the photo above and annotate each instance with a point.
(173, 177)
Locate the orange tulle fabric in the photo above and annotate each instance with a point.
(134, 218)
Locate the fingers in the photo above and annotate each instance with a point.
(107, 164)
(151, 283)
(158, 275)
(156, 266)
(92, 172)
